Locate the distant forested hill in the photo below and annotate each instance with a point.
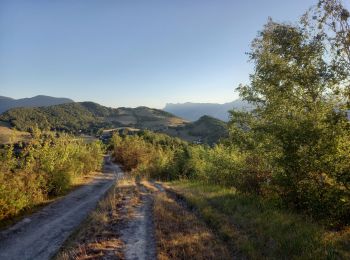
(193, 111)
(37, 101)
(89, 117)
(206, 129)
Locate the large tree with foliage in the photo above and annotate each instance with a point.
(298, 129)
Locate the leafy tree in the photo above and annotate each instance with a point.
(297, 125)
(330, 18)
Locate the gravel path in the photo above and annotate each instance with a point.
(40, 235)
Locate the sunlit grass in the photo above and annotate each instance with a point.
(181, 235)
(258, 228)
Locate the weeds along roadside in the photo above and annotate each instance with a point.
(180, 233)
(257, 229)
(47, 167)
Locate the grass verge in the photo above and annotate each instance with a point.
(180, 234)
(258, 229)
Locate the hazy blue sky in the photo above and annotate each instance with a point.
(130, 53)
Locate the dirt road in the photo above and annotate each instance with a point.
(138, 234)
(40, 235)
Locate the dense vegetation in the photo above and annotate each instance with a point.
(148, 153)
(44, 168)
(294, 146)
(70, 117)
(299, 132)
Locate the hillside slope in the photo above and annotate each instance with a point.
(89, 117)
(207, 130)
(193, 111)
(37, 101)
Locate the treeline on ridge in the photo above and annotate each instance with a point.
(71, 117)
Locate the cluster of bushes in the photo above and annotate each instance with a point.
(163, 157)
(259, 171)
(43, 168)
(147, 153)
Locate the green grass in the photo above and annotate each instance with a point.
(258, 229)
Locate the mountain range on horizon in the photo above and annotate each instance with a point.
(7, 103)
(193, 111)
(189, 111)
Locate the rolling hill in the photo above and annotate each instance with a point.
(206, 129)
(193, 111)
(89, 117)
(37, 101)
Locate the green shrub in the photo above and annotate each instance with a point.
(46, 167)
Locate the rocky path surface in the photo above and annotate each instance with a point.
(40, 235)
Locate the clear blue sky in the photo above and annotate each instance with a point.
(132, 52)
